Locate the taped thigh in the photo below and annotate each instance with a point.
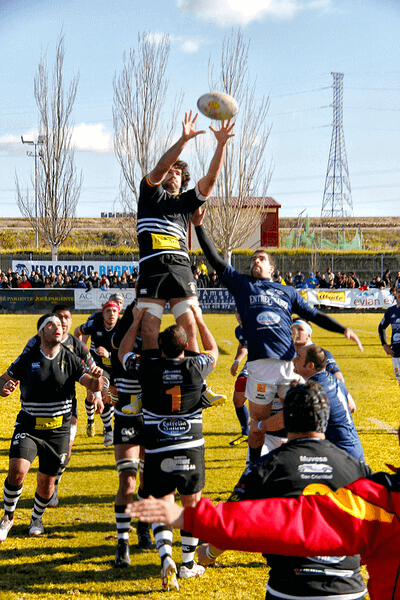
(183, 307)
(157, 310)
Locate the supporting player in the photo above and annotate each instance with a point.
(128, 444)
(172, 412)
(100, 331)
(47, 376)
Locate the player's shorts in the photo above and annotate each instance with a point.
(180, 469)
(167, 276)
(396, 368)
(267, 377)
(50, 445)
(272, 441)
(128, 429)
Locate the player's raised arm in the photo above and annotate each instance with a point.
(222, 135)
(189, 131)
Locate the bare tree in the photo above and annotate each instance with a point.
(237, 207)
(139, 100)
(57, 182)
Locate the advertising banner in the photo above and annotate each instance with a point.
(45, 299)
(86, 267)
(95, 298)
(356, 298)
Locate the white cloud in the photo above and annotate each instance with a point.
(228, 13)
(92, 138)
(186, 44)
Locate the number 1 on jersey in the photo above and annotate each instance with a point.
(175, 392)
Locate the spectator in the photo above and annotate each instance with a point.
(104, 282)
(387, 278)
(81, 283)
(213, 280)
(298, 278)
(123, 284)
(199, 280)
(59, 281)
(5, 282)
(312, 281)
(37, 281)
(289, 279)
(380, 284)
(364, 286)
(329, 275)
(397, 280)
(95, 279)
(67, 282)
(15, 280)
(323, 284)
(355, 279)
(278, 277)
(24, 283)
(114, 282)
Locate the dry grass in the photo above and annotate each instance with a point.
(74, 557)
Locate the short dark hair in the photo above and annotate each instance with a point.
(185, 177)
(58, 307)
(172, 341)
(316, 355)
(306, 408)
(271, 259)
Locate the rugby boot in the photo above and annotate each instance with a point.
(168, 575)
(122, 558)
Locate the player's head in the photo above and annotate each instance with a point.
(262, 264)
(118, 298)
(50, 329)
(63, 312)
(110, 312)
(177, 178)
(309, 360)
(306, 408)
(172, 341)
(301, 332)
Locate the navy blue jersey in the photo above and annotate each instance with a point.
(47, 385)
(239, 334)
(265, 309)
(171, 399)
(392, 318)
(331, 364)
(163, 219)
(341, 430)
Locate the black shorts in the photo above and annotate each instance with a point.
(180, 469)
(165, 277)
(128, 430)
(50, 445)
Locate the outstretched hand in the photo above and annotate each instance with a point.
(188, 126)
(153, 510)
(349, 334)
(224, 133)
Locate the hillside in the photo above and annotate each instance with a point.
(378, 233)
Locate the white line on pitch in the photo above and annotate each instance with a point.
(383, 425)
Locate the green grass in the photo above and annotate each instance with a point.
(73, 559)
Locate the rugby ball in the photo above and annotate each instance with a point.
(217, 105)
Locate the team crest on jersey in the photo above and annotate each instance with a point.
(261, 387)
(63, 364)
(173, 426)
(35, 366)
(192, 287)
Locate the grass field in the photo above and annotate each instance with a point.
(74, 558)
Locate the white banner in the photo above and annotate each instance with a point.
(96, 298)
(343, 298)
(101, 266)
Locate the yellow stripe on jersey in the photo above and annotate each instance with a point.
(350, 503)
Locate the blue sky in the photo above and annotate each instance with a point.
(294, 47)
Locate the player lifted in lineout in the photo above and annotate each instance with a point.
(164, 211)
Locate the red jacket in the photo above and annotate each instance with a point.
(361, 518)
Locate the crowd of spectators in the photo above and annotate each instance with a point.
(204, 279)
(329, 280)
(65, 279)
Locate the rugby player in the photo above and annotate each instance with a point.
(128, 443)
(265, 309)
(164, 212)
(285, 472)
(63, 312)
(392, 318)
(100, 330)
(172, 412)
(47, 376)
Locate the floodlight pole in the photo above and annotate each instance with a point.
(36, 155)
